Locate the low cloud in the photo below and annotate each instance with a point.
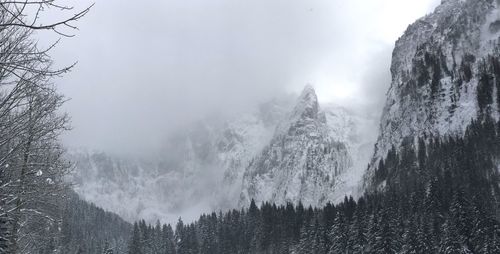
(146, 68)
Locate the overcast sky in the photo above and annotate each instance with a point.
(148, 66)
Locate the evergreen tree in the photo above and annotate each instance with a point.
(167, 240)
(452, 242)
(181, 238)
(107, 248)
(318, 243)
(424, 238)
(339, 236)
(357, 232)
(411, 240)
(462, 214)
(385, 238)
(4, 233)
(135, 243)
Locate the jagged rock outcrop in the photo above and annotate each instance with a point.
(302, 161)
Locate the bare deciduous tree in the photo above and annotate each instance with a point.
(31, 164)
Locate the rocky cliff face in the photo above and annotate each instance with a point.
(303, 160)
(445, 72)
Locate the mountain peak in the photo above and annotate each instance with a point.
(308, 88)
(307, 105)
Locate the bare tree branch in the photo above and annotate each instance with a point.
(17, 18)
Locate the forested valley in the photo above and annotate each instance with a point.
(442, 198)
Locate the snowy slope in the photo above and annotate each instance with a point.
(438, 67)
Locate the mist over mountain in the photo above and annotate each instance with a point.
(206, 166)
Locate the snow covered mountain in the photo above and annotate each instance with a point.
(199, 169)
(445, 72)
(206, 165)
(309, 152)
